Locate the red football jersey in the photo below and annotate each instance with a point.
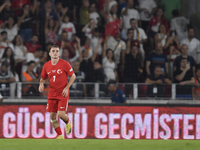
(58, 77)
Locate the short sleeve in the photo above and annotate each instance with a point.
(44, 73)
(69, 69)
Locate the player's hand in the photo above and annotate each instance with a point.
(65, 92)
(41, 88)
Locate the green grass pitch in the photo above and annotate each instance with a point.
(97, 144)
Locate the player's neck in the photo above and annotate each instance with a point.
(54, 61)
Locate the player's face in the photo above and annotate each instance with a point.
(54, 53)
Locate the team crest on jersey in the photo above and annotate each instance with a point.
(53, 71)
(59, 71)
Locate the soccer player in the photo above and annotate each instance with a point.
(57, 70)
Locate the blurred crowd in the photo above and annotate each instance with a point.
(153, 43)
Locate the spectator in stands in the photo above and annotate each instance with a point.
(94, 14)
(94, 40)
(33, 44)
(87, 66)
(146, 9)
(196, 89)
(29, 76)
(117, 95)
(172, 55)
(25, 20)
(193, 45)
(11, 28)
(84, 13)
(88, 28)
(184, 75)
(184, 54)
(87, 47)
(99, 75)
(171, 40)
(118, 46)
(138, 35)
(8, 56)
(154, 24)
(78, 88)
(169, 6)
(51, 29)
(4, 43)
(42, 18)
(5, 10)
(109, 64)
(19, 51)
(6, 77)
(60, 10)
(133, 66)
(128, 13)
(157, 58)
(111, 11)
(36, 56)
(68, 26)
(157, 79)
(179, 25)
(65, 54)
(162, 35)
(66, 44)
(17, 5)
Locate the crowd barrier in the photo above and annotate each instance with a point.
(100, 90)
(103, 122)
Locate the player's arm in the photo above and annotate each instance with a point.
(41, 86)
(66, 89)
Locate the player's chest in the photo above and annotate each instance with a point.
(55, 71)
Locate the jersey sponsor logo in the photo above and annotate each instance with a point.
(49, 72)
(53, 71)
(62, 107)
(71, 70)
(59, 71)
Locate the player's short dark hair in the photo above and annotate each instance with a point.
(132, 19)
(54, 46)
(30, 62)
